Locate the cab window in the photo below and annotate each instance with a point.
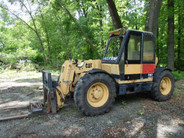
(134, 46)
(148, 49)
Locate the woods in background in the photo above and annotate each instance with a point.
(50, 32)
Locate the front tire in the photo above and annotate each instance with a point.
(95, 93)
(163, 86)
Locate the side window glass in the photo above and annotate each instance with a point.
(113, 49)
(134, 46)
(148, 49)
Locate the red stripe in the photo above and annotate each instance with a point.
(148, 68)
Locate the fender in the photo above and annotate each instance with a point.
(158, 71)
(93, 71)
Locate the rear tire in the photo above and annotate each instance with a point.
(95, 93)
(163, 86)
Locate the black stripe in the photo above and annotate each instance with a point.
(120, 77)
(131, 76)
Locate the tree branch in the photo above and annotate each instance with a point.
(79, 27)
(18, 17)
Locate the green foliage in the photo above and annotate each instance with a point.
(8, 58)
(182, 87)
(62, 39)
(58, 31)
(123, 102)
(178, 74)
(175, 91)
(27, 67)
(141, 112)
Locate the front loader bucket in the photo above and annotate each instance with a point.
(49, 92)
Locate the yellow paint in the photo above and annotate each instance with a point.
(59, 103)
(111, 68)
(156, 61)
(133, 69)
(117, 32)
(165, 86)
(97, 94)
(133, 81)
(70, 75)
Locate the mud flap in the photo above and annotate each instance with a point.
(49, 92)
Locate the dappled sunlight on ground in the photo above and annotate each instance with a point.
(13, 104)
(168, 130)
(6, 85)
(14, 79)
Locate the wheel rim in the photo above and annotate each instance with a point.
(97, 94)
(165, 85)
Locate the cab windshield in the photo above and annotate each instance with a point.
(112, 49)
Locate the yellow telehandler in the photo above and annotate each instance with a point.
(128, 65)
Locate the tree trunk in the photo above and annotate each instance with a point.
(136, 27)
(170, 39)
(114, 14)
(35, 30)
(153, 14)
(157, 45)
(46, 32)
(47, 36)
(179, 40)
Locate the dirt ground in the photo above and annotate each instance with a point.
(133, 115)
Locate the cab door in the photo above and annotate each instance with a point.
(133, 66)
(148, 58)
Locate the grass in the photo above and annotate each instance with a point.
(24, 89)
(182, 86)
(141, 112)
(176, 91)
(123, 102)
(35, 90)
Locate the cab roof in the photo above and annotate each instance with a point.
(123, 30)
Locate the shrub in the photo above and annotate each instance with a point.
(178, 74)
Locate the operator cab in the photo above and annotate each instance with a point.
(134, 51)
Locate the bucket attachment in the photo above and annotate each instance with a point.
(49, 91)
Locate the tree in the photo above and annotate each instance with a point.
(114, 14)
(60, 30)
(179, 35)
(34, 28)
(78, 25)
(45, 30)
(153, 13)
(170, 39)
